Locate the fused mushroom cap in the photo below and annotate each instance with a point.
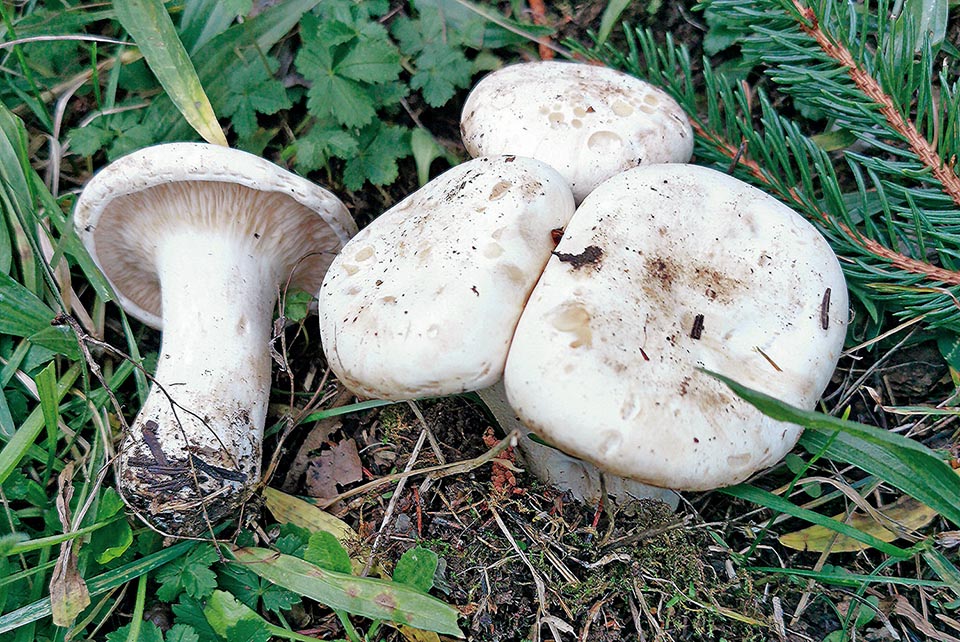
(424, 300)
(132, 202)
(663, 271)
(588, 122)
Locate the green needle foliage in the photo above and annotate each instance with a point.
(889, 200)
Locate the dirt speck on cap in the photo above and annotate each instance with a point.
(591, 255)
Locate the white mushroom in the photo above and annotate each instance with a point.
(588, 122)
(424, 300)
(662, 272)
(197, 240)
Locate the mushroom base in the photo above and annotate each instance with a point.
(186, 491)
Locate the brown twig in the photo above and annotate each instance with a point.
(438, 472)
(538, 11)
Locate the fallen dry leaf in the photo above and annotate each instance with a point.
(417, 635)
(68, 592)
(904, 609)
(904, 515)
(338, 465)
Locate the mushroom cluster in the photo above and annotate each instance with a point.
(576, 273)
(596, 323)
(197, 240)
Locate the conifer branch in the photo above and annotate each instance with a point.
(923, 149)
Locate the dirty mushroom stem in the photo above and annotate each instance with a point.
(218, 297)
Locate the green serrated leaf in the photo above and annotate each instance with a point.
(296, 304)
(235, 621)
(372, 61)
(293, 540)
(342, 99)
(251, 589)
(441, 70)
(416, 568)
(250, 631)
(376, 158)
(367, 597)
(88, 140)
(322, 143)
(181, 633)
(149, 632)
(326, 551)
(189, 611)
(190, 574)
(148, 22)
(253, 89)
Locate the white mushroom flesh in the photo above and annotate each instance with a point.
(664, 271)
(588, 122)
(424, 300)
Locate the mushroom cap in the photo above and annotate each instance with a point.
(663, 271)
(132, 202)
(424, 300)
(588, 122)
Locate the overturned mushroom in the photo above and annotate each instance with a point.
(197, 240)
(642, 295)
(588, 122)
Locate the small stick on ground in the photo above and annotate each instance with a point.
(437, 472)
(388, 514)
(539, 12)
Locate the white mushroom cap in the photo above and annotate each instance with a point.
(588, 122)
(126, 204)
(424, 300)
(665, 270)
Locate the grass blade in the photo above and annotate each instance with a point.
(610, 17)
(148, 22)
(14, 450)
(368, 597)
(898, 460)
(779, 504)
(218, 58)
(100, 584)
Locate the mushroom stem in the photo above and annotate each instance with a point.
(585, 481)
(193, 452)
